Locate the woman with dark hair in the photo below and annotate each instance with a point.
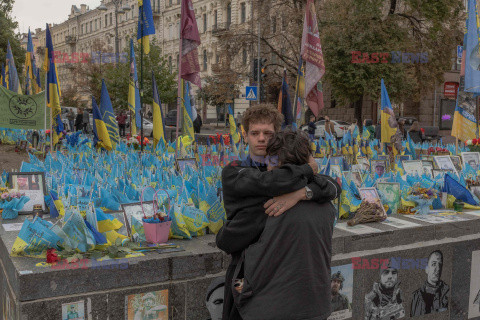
(415, 132)
(267, 281)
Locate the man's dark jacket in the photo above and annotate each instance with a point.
(243, 192)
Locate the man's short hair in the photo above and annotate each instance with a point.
(435, 252)
(262, 113)
(289, 147)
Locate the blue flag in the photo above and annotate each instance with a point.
(145, 24)
(472, 65)
(106, 110)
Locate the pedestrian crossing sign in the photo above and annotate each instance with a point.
(251, 93)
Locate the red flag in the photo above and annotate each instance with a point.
(190, 41)
(312, 53)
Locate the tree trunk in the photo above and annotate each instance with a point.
(358, 111)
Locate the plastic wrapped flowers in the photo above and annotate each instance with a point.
(423, 197)
(11, 202)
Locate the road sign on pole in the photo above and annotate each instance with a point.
(251, 93)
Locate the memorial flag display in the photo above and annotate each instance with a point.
(311, 52)
(190, 41)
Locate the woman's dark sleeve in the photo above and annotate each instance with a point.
(324, 188)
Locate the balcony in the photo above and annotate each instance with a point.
(156, 13)
(71, 40)
(220, 28)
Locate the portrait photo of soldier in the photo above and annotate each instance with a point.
(432, 296)
(385, 301)
(339, 301)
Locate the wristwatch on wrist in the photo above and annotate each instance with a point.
(308, 193)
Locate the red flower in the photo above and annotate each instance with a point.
(52, 256)
(474, 141)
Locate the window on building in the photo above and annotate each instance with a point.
(274, 24)
(178, 1)
(91, 24)
(243, 12)
(229, 14)
(244, 56)
(96, 25)
(204, 22)
(111, 18)
(215, 19)
(204, 60)
(106, 20)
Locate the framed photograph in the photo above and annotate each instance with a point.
(181, 164)
(32, 184)
(413, 167)
(437, 172)
(457, 162)
(363, 163)
(472, 158)
(357, 179)
(402, 158)
(337, 161)
(445, 163)
(135, 210)
(427, 167)
(335, 170)
(379, 167)
(371, 195)
(390, 195)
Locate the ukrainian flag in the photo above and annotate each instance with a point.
(158, 125)
(100, 133)
(13, 82)
(33, 85)
(464, 123)
(56, 206)
(53, 90)
(134, 93)
(188, 112)
(2, 77)
(108, 117)
(233, 126)
(389, 123)
(145, 24)
(106, 222)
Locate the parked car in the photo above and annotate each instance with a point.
(340, 128)
(171, 118)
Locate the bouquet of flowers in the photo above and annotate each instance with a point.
(11, 202)
(473, 182)
(438, 151)
(473, 145)
(423, 197)
(135, 142)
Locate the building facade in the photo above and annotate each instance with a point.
(84, 27)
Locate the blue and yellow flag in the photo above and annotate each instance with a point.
(13, 82)
(145, 24)
(31, 68)
(389, 122)
(2, 77)
(53, 90)
(464, 123)
(158, 124)
(134, 94)
(101, 138)
(188, 111)
(233, 126)
(108, 117)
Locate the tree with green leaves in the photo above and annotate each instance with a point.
(117, 77)
(7, 33)
(370, 26)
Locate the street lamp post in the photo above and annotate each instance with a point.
(118, 9)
